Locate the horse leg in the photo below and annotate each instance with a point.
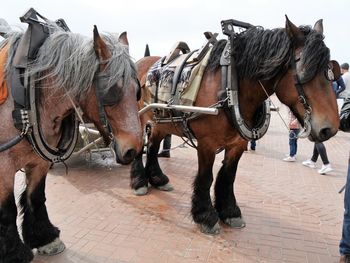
(139, 180)
(38, 232)
(225, 201)
(203, 212)
(12, 249)
(156, 177)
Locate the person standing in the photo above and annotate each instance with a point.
(344, 245)
(319, 149)
(253, 145)
(339, 87)
(294, 129)
(346, 78)
(166, 147)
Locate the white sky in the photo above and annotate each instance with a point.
(161, 23)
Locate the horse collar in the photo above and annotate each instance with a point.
(230, 84)
(25, 115)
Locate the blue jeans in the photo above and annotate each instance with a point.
(252, 145)
(344, 246)
(293, 146)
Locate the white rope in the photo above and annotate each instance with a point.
(269, 98)
(86, 139)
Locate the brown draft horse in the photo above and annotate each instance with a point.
(263, 56)
(68, 65)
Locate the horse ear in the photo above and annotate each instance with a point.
(318, 27)
(334, 65)
(147, 52)
(294, 33)
(123, 38)
(100, 46)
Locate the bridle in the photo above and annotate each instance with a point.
(108, 98)
(298, 83)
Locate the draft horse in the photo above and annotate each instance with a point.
(69, 71)
(263, 58)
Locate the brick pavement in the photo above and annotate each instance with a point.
(293, 214)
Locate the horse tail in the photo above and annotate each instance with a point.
(147, 53)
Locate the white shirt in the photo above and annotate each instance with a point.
(346, 92)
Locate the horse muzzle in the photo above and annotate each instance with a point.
(125, 156)
(323, 134)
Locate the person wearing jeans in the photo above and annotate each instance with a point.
(253, 145)
(344, 246)
(294, 129)
(166, 147)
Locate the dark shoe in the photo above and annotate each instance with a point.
(164, 154)
(344, 259)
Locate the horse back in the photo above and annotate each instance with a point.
(143, 65)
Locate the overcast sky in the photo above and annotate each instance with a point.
(161, 23)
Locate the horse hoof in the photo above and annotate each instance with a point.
(53, 248)
(235, 222)
(141, 191)
(167, 187)
(215, 230)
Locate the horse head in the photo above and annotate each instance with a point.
(306, 87)
(114, 109)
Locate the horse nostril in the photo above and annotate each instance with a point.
(325, 133)
(129, 155)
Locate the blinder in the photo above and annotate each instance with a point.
(330, 73)
(111, 96)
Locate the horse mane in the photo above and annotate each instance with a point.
(68, 62)
(262, 54)
(316, 55)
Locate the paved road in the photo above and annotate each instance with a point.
(293, 213)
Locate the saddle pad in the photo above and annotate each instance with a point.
(3, 85)
(187, 86)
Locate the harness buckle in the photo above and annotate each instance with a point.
(302, 99)
(255, 134)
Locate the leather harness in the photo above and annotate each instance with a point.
(229, 83)
(26, 97)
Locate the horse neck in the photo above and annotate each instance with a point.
(251, 96)
(54, 107)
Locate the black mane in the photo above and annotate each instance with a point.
(262, 54)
